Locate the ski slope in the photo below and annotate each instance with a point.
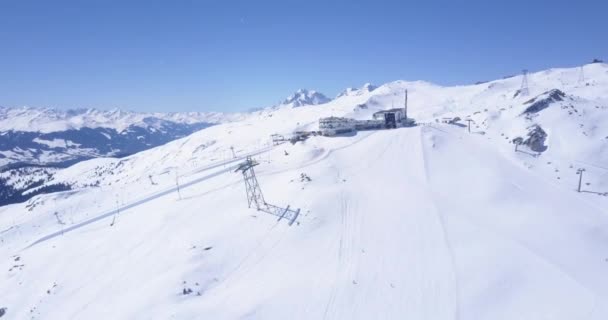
(427, 222)
(415, 248)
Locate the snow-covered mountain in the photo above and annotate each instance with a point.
(47, 120)
(304, 97)
(366, 88)
(46, 136)
(424, 222)
(34, 142)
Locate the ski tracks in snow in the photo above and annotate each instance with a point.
(344, 273)
(442, 224)
(377, 276)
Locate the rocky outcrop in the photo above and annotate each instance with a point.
(543, 101)
(535, 139)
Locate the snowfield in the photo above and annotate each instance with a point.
(426, 222)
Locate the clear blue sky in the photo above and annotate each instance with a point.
(234, 55)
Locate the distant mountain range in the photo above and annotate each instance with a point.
(58, 138)
(35, 142)
(52, 137)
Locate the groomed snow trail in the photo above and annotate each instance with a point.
(391, 255)
(428, 224)
(379, 250)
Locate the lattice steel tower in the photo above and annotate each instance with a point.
(252, 187)
(581, 76)
(524, 91)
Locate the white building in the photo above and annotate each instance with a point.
(336, 125)
(392, 117)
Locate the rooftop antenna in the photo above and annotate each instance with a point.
(581, 75)
(524, 91)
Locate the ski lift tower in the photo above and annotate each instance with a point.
(255, 196)
(252, 187)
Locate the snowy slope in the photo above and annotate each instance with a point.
(428, 222)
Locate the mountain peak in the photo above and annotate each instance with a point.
(368, 87)
(365, 88)
(304, 97)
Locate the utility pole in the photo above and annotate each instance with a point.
(524, 91)
(59, 221)
(580, 178)
(177, 185)
(405, 106)
(116, 213)
(469, 121)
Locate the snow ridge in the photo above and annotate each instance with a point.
(304, 97)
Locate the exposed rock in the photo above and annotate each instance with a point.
(543, 101)
(516, 93)
(536, 139)
(359, 107)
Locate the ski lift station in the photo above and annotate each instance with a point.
(384, 119)
(392, 117)
(332, 126)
